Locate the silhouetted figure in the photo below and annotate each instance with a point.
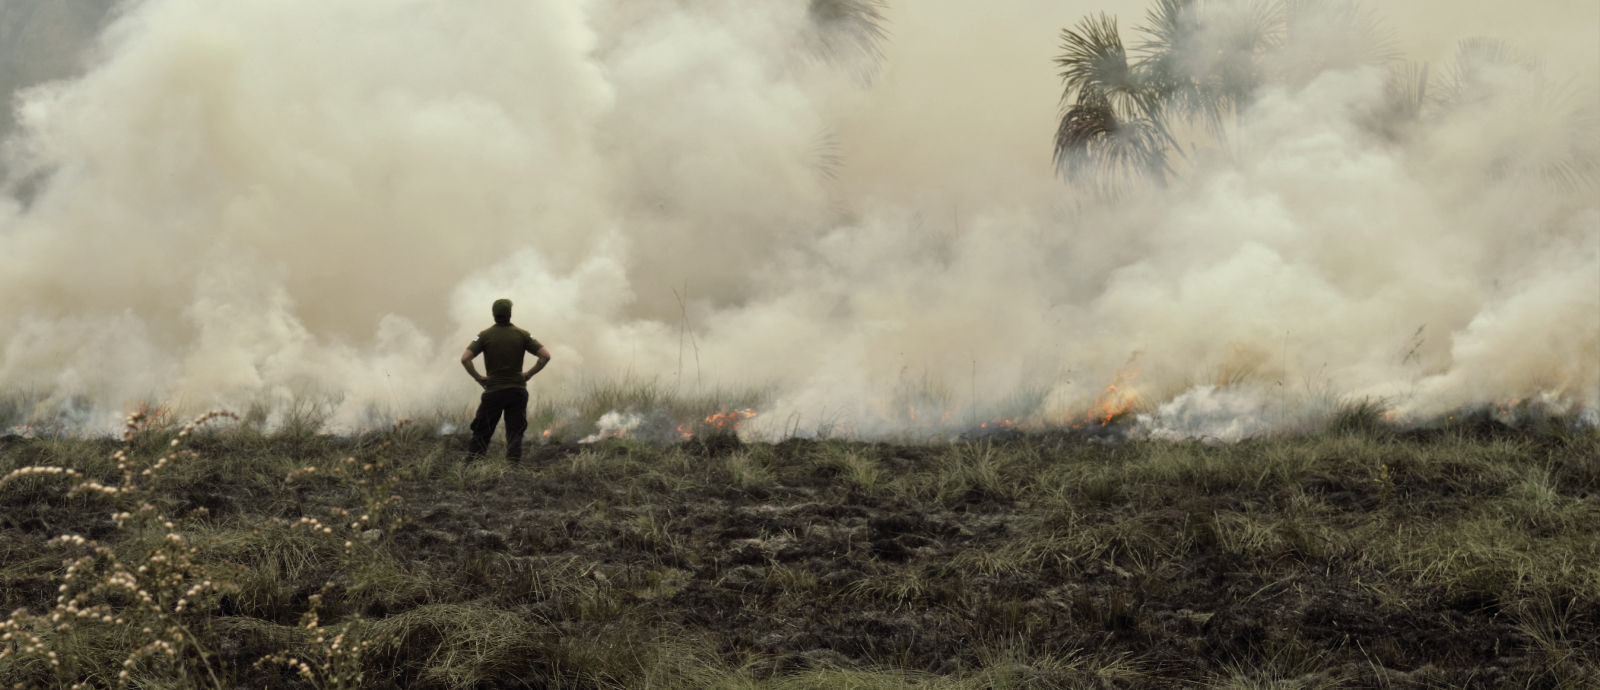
(505, 389)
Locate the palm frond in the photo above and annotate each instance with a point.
(1405, 96)
(1112, 134)
(849, 34)
(827, 156)
(1471, 74)
(1203, 56)
(1094, 64)
(1203, 102)
(1161, 65)
(1321, 35)
(1167, 23)
(1580, 168)
(1578, 171)
(1231, 39)
(1487, 50)
(1557, 141)
(1407, 89)
(1097, 150)
(1250, 27)
(1197, 32)
(1573, 163)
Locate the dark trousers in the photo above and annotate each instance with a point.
(514, 403)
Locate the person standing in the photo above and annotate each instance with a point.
(505, 389)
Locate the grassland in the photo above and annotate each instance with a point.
(1358, 556)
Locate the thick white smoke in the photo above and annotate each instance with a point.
(254, 200)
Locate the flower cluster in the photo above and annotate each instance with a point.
(149, 600)
(33, 471)
(158, 603)
(374, 479)
(339, 655)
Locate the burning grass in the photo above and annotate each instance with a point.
(1363, 555)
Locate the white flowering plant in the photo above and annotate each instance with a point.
(151, 601)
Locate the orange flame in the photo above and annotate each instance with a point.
(728, 419)
(1117, 399)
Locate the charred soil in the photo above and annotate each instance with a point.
(1364, 558)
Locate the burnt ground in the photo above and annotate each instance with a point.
(779, 559)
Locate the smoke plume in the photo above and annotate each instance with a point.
(250, 202)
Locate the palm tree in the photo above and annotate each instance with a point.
(1200, 62)
(1556, 140)
(1115, 130)
(848, 34)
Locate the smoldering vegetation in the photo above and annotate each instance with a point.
(1364, 554)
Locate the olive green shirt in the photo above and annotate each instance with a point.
(502, 346)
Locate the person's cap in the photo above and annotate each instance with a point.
(502, 309)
